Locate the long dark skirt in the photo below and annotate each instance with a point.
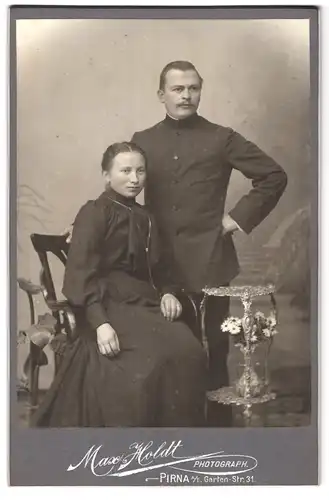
(157, 380)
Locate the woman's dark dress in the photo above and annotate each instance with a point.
(158, 379)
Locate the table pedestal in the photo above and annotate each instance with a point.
(250, 389)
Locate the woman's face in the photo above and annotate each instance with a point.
(127, 174)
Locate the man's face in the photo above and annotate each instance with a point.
(181, 94)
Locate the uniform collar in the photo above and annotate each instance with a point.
(110, 194)
(189, 122)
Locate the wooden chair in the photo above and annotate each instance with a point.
(64, 321)
(54, 244)
(36, 356)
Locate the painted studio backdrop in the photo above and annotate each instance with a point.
(84, 84)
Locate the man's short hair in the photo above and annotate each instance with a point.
(182, 66)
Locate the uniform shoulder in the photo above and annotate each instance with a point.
(147, 131)
(215, 126)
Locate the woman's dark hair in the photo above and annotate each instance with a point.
(182, 66)
(117, 148)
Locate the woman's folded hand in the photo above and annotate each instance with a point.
(170, 307)
(107, 340)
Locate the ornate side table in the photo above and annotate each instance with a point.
(249, 389)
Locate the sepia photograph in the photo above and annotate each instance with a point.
(165, 187)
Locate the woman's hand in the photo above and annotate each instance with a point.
(170, 307)
(107, 340)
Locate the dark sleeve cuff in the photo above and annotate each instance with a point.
(242, 219)
(96, 315)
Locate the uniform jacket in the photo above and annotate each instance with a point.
(189, 164)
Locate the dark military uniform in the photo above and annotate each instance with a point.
(189, 164)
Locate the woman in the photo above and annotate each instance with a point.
(132, 363)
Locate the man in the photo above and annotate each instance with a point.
(190, 161)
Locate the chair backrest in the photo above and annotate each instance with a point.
(44, 244)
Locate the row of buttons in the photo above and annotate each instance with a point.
(175, 181)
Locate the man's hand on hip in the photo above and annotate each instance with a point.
(229, 225)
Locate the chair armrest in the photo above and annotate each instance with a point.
(30, 289)
(59, 305)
